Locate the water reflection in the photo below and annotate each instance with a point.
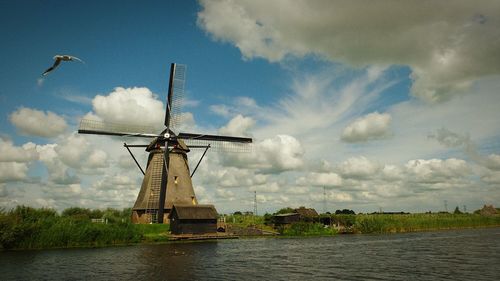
(450, 255)
(177, 261)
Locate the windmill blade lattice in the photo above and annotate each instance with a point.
(218, 144)
(177, 99)
(89, 126)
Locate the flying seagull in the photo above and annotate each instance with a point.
(57, 61)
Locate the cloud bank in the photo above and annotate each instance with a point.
(35, 122)
(448, 46)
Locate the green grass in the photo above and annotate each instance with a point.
(307, 229)
(248, 221)
(379, 223)
(29, 228)
(153, 232)
(376, 223)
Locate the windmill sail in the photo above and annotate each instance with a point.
(96, 127)
(175, 95)
(217, 142)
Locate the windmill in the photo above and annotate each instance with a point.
(167, 179)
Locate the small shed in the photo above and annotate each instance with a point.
(287, 218)
(193, 219)
(307, 214)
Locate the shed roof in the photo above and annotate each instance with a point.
(306, 212)
(200, 212)
(286, 215)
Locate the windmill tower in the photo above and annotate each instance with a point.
(167, 179)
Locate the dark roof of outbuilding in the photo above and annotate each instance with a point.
(200, 212)
(306, 212)
(287, 215)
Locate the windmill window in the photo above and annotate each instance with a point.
(175, 179)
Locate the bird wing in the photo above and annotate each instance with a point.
(75, 58)
(56, 63)
(48, 70)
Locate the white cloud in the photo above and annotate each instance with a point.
(76, 152)
(220, 109)
(452, 139)
(58, 172)
(493, 162)
(126, 162)
(246, 102)
(133, 106)
(491, 177)
(449, 138)
(38, 123)
(447, 46)
(231, 176)
(11, 153)
(320, 179)
(14, 160)
(118, 182)
(202, 195)
(284, 199)
(12, 171)
(332, 196)
(359, 167)
(224, 193)
(369, 127)
(392, 172)
(273, 155)
(238, 126)
(437, 170)
(268, 187)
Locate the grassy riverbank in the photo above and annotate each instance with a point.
(29, 228)
(376, 223)
(369, 223)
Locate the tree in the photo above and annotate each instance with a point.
(345, 212)
(76, 212)
(286, 210)
(457, 211)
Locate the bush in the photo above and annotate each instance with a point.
(81, 213)
(286, 210)
(26, 227)
(344, 220)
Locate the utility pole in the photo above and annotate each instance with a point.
(324, 200)
(465, 209)
(255, 203)
(446, 206)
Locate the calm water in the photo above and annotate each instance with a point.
(448, 255)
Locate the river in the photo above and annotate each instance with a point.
(471, 254)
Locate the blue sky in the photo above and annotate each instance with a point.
(392, 107)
